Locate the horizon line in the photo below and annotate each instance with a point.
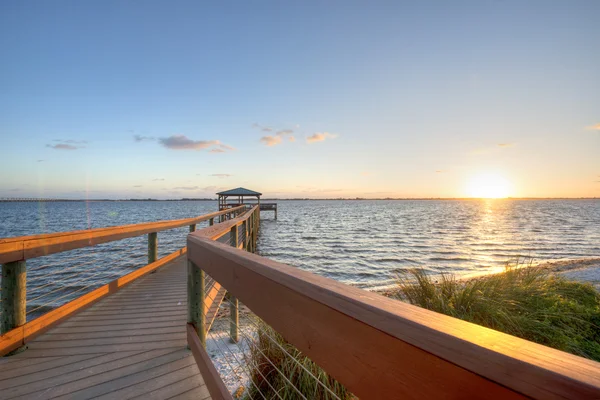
(50, 199)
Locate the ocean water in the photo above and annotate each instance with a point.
(363, 243)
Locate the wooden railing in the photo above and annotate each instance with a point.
(379, 348)
(14, 252)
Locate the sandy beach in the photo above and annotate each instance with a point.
(581, 270)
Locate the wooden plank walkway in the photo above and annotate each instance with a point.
(131, 344)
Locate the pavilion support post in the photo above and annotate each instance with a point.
(152, 247)
(196, 296)
(14, 291)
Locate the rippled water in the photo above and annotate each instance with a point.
(364, 242)
(357, 242)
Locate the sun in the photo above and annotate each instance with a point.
(489, 186)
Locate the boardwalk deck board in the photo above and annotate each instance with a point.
(130, 344)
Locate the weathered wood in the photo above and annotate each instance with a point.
(233, 235)
(233, 302)
(234, 319)
(382, 348)
(196, 300)
(212, 302)
(129, 359)
(152, 247)
(212, 379)
(14, 291)
(17, 337)
(26, 247)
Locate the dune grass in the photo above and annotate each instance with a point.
(528, 302)
(272, 358)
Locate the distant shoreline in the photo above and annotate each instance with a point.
(50, 200)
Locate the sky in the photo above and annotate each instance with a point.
(172, 99)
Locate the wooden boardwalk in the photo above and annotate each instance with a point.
(131, 344)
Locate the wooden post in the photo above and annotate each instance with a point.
(233, 235)
(233, 302)
(14, 290)
(152, 247)
(193, 228)
(211, 222)
(245, 223)
(234, 319)
(195, 290)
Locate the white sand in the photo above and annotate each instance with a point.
(581, 270)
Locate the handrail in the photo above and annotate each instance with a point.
(20, 335)
(15, 331)
(382, 348)
(26, 247)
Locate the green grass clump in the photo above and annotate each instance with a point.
(266, 356)
(528, 302)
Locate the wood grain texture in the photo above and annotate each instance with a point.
(14, 292)
(22, 335)
(215, 384)
(115, 357)
(383, 348)
(26, 247)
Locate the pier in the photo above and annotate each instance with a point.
(239, 197)
(147, 333)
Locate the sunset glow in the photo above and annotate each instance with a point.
(489, 185)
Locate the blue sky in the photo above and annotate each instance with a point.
(409, 99)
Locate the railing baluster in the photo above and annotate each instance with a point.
(14, 294)
(211, 222)
(193, 228)
(152, 247)
(196, 294)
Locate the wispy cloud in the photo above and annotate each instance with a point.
(41, 160)
(593, 127)
(226, 147)
(365, 173)
(158, 179)
(319, 137)
(62, 146)
(71, 141)
(182, 142)
(140, 138)
(221, 175)
(316, 190)
(67, 144)
(137, 186)
(277, 138)
(187, 188)
(506, 144)
(271, 140)
(440, 171)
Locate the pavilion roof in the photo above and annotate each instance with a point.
(239, 192)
